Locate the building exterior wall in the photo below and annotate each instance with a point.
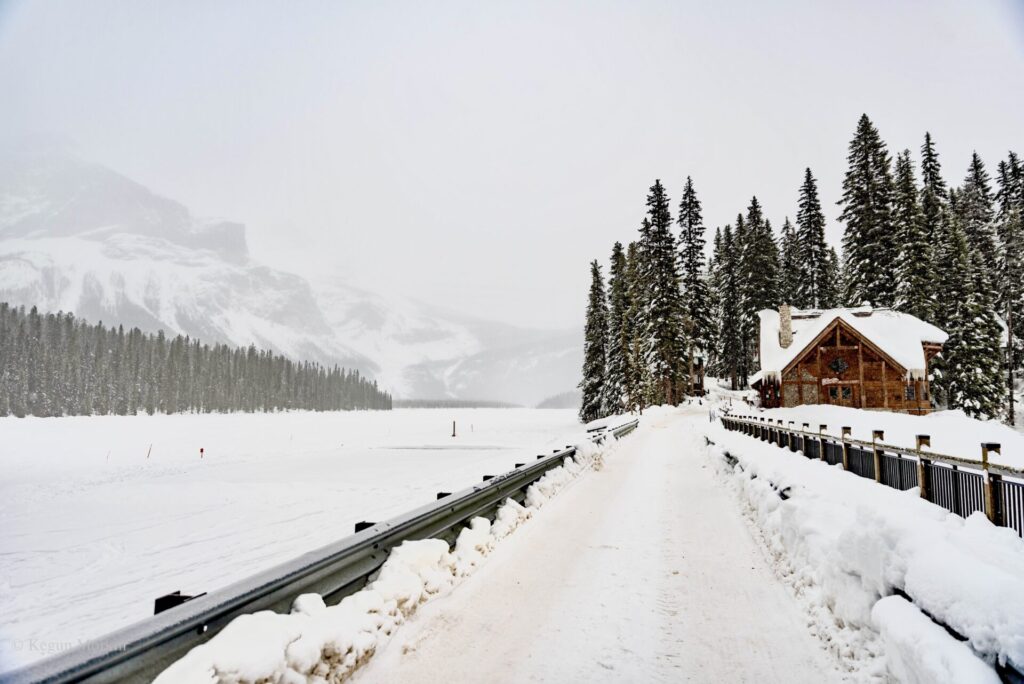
(844, 369)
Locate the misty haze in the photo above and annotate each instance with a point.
(473, 341)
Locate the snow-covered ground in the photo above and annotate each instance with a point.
(845, 544)
(100, 515)
(952, 432)
(642, 571)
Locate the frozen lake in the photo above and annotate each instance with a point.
(100, 515)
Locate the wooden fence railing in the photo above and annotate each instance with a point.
(960, 485)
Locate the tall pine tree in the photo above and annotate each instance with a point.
(617, 346)
(594, 352)
(791, 267)
(696, 299)
(664, 348)
(814, 279)
(758, 281)
(977, 218)
(914, 265)
(868, 243)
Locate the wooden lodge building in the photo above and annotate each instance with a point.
(862, 358)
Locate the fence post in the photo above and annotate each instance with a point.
(989, 489)
(821, 440)
(791, 437)
(922, 465)
(847, 431)
(877, 453)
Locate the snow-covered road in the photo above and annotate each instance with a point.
(642, 571)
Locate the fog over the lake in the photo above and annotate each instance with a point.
(476, 155)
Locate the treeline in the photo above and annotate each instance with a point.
(952, 256)
(56, 365)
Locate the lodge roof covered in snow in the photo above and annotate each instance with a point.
(898, 335)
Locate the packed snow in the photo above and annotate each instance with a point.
(100, 515)
(844, 543)
(316, 642)
(953, 433)
(643, 571)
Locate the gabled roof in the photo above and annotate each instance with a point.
(899, 336)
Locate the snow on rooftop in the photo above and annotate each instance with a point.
(899, 335)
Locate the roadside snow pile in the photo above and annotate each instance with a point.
(922, 652)
(953, 433)
(843, 543)
(320, 643)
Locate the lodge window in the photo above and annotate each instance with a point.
(833, 392)
(847, 393)
(910, 394)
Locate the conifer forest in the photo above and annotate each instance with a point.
(948, 254)
(55, 364)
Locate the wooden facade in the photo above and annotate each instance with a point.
(844, 368)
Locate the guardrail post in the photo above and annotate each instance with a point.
(847, 431)
(922, 464)
(991, 507)
(791, 437)
(821, 439)
(877, 453)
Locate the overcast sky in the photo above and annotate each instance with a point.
(478, 154)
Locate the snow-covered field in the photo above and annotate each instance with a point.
(100, 515)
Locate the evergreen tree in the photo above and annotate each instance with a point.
(813, 279)
(832, 282)
(758, 282)
(977, 218)
(792, 268)
(637, 376)
(696, 299)
(967, 373)
(594, 341)
(618, 342)
(729, 313)
(868, 246)
(664, 347)
(914, 265)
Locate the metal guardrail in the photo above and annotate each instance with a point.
(960, 485)
(141, 651)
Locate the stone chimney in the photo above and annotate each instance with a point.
(785, 326)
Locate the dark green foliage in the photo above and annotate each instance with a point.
(967, 372)
(664, 346)
(914, 273)
(813, 278)
(617, 348)
(594, 352)
(637, 375)
(792, 268)
(696, 300)
(728, 311)
(977, 216)
(758, 277)
(55, 364)
(868, 244)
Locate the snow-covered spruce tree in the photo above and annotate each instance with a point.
(792, 269)
(617, 346)
(696, 301)
(729, 314)
(664, 346)
(977, 218)
(713, 358)
(637, 376)
(758, 282)
(813, 276)
(594, 338)
(868, 244)
(914, 264)
(1010, 228)
(831, 283)
(967, 372)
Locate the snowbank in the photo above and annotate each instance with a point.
(921, 652)
(844, 543)
(953, 433)
(317, 643)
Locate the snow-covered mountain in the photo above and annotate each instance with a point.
(76, 236)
